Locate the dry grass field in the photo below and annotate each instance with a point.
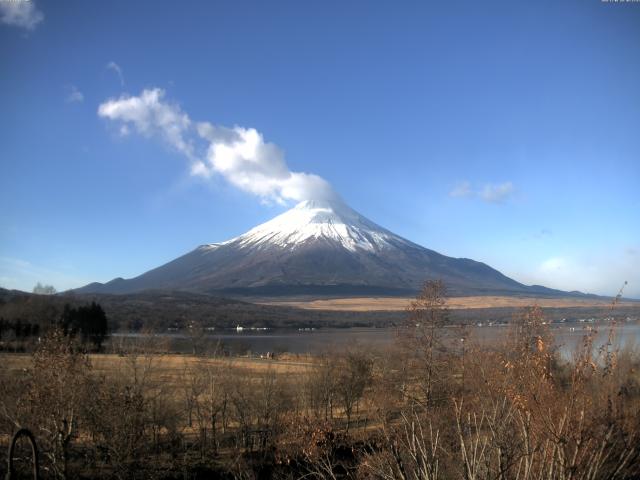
(366, 304)
(170, 368)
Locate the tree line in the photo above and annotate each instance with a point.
(86, 323)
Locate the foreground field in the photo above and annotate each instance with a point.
(365, 304)
(430, 406)
(170, 368)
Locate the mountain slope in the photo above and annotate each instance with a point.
(318, 248)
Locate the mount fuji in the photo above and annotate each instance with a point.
(318, 248)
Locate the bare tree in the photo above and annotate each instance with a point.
(56, 396)
(320, 386)
(207, 395)
(412, 451)
(41, 289)
(354, 375)
(422, 337)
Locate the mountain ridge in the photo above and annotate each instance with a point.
(319, 248)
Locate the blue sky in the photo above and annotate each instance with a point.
(506, 132)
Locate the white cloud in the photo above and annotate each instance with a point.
(20, 13)
(497, 193)
(462, 189)
(151, 116)
(248, 162)
(587, 272)
(553, 265)
(75, 95)
(240, 155)
(116, 68)
(490, 193)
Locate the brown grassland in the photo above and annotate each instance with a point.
(365, 304)
(170, 368)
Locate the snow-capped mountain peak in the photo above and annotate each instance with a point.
(313, 220)
(317, 248)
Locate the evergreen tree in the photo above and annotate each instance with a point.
(88, 321)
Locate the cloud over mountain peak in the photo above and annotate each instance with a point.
(238, 154)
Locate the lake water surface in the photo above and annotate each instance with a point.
(567, 337)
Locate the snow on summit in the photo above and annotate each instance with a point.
(312, 220)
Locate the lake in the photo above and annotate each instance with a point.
(567, 337)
